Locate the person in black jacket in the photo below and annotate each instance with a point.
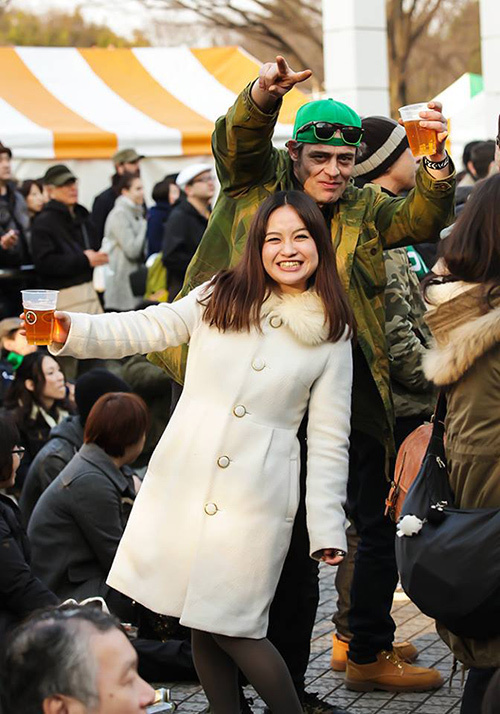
(187, 223)
(14, 236)
(64, 242)
(37, 401)
(126, 161)
(65, 250)
(166, 195)
(66, 438)
(21, 592)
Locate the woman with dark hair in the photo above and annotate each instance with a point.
(165, 194)
(20, 591)
(32, 190)
(37, 400)
(464, 316)
(207, 538)
(124, 242)
(79, 519)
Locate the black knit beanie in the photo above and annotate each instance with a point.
(384, 140)
(92, 385)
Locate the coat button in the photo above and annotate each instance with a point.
(374, 251)
(211, 509)
(239, 411)
(275, 321)
(258, 364)
(223, 462)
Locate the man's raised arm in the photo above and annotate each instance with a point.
(242, 140)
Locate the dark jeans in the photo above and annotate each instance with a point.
(375, 572)
(475, 689)
(293, 609)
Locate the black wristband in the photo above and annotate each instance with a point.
(436, 165)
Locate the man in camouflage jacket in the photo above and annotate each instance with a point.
(408, 338)
(363, 223)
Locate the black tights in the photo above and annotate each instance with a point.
(217, 659)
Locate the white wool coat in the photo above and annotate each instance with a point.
(212, 523)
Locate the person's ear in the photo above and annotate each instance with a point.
(61, 704)
(471, 169)
(29, 384)
(293, 149)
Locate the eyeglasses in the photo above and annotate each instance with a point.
(19, 450)
(207, 179)
(325, 130)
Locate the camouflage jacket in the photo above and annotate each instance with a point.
(365, 221)
(408, 337)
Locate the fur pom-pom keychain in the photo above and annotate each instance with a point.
(409, 526)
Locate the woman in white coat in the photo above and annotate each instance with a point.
(124, 242)
(211, 526)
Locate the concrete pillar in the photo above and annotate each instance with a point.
(490, 58)
(355, 54)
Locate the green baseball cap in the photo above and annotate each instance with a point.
(325, 110)
(58, 175)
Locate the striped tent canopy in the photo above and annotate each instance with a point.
(69, 103)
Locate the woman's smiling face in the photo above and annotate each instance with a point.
(289, 253)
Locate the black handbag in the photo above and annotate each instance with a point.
(450, 569)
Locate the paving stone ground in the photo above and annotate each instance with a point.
(329, 685)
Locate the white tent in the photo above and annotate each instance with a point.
(78, 106)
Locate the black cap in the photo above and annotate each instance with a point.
(384, 140)
(92, 385)
(58, 175)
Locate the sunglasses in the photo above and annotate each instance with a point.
(325, 130)
(19, 450)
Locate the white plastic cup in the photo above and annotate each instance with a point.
(39, 307)
(422, 141)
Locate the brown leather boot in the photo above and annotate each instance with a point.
(405, 651)
(391, 674)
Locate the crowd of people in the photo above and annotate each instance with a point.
(328, 295)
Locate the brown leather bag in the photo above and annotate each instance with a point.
(408, 462)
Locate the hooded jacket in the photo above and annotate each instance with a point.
(465, 360)
(59, 238)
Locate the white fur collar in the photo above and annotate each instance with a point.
(303, 313)
(464, 343)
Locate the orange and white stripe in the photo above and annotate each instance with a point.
(69, 103)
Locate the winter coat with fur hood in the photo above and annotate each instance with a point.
(466, 361)
(212, 523)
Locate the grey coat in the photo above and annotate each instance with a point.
(124, 240)
(78, 522)
(64, 441)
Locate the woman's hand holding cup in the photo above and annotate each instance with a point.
(62, 324)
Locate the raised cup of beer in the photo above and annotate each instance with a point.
(422, 141)
(39, 307)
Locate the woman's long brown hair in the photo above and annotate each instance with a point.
(471, 252)
(236, 295)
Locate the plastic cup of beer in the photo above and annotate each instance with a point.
(39, 307)
(422, 141)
